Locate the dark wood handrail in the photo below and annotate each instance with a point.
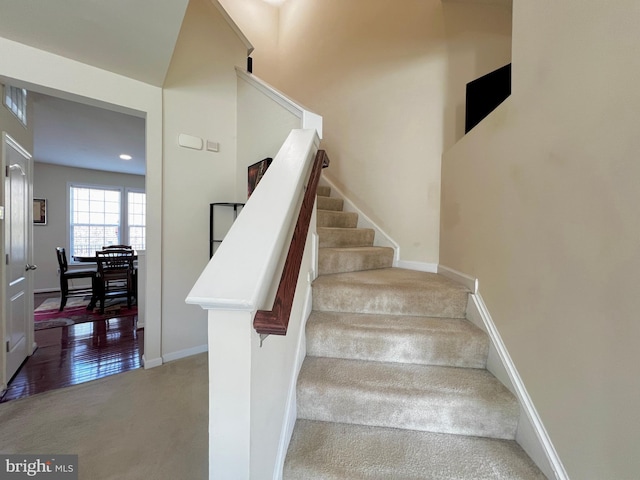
(276, 320)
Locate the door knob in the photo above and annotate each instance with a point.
(30, 267)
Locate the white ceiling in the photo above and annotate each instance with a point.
(134, 38)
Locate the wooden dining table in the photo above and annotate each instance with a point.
(93, 258)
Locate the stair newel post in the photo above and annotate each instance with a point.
(230, 355)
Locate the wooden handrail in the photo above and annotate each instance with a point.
(276, 321)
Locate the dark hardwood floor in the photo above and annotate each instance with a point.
(76, 354)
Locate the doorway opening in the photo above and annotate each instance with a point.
(74, 142)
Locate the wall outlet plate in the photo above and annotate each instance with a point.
(1, 213)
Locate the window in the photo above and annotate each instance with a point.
(136, 208)
(98, 218)
(95, 219)
(15, 99)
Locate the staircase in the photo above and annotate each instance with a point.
(394, 384)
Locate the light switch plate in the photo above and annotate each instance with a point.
(1, 213)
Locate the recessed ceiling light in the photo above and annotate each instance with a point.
(124, 156)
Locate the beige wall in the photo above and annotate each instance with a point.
(387, 77)
(52, 182)
(199, 99)
(541, 204)
(258, 21)
(478, 40)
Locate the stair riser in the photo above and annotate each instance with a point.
(345, 237)
(429, 416)
(338, 261)
(377, 299)
(423, 402)
(330, 203)
(323, 191)
(331, 218)
(465, 349)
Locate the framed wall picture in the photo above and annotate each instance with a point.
(255, 173)
(39, 211)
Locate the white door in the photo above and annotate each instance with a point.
(18, 284)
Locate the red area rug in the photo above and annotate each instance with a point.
(48, 316)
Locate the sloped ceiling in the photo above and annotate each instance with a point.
(134, 38)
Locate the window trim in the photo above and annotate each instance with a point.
(128, 190)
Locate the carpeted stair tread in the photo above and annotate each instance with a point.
(395, 291)
(329, 203)
(462, 401)
(336, 451)
(353, 259)
(345, 237)
(334, 218)
(452, 342)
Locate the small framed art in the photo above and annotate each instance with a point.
(39, 211)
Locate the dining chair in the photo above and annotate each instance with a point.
(135, 265)
(66, 275)
(115, 277)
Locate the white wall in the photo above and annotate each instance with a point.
(540, 203)
(263, 126)
(55, 75)
(51, 182)
(388, 78)
(199, 99)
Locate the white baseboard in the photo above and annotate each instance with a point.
(188, 352)
(419, 266)
(466, 280)
(532, 436)
(47, 290)
(381, 238)
(151, 363)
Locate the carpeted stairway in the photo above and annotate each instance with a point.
(394, 384)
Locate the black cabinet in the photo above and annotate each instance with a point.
(212, 209)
